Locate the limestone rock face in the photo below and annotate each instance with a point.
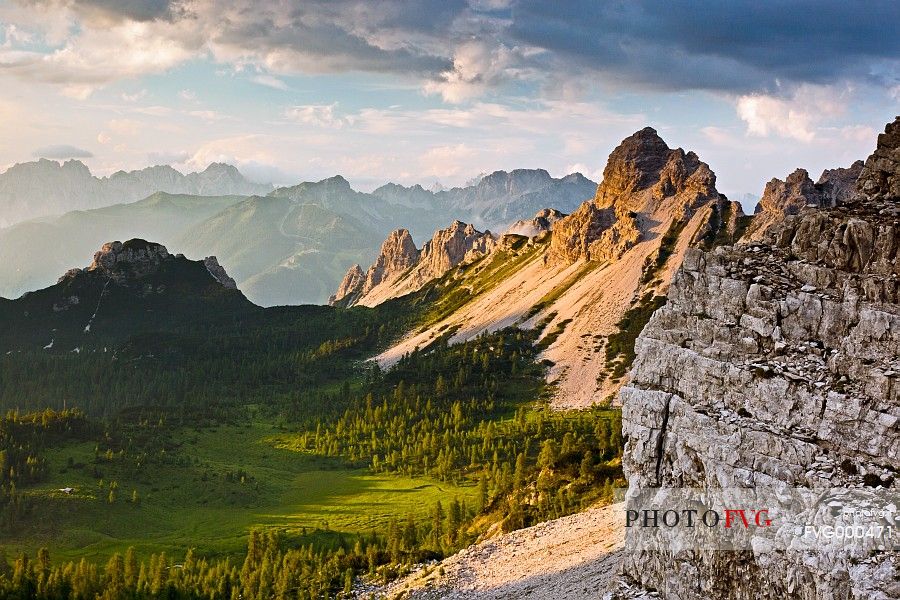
(134, 258)
(448, 247)
(644, 183)
(774, 366)
(218, 272)
(350, 287)
(789, 197)
(542, 222)
(398, 253)
(880, 177)
(401, 268)
(839, 185)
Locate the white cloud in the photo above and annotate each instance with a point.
(270, 81)
(211, 116)
(319, 115)
(139, 95)
(125, 127)
(797, 117)
(13, 35)
(188, 95)
(477, 67)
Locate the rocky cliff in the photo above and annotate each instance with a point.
(400, 268)
(542, 222)
(773, 366)
(797, 192)
(644, 183)
(398, 253)
(133, 259)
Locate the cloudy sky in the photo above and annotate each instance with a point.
(444, 89)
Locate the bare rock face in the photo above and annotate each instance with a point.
(398, 253)
(875, 178)
(643, 174)
(350, 287)
(449, 247)
(839, 185)
(399, 259)
(880, 177)
(218, 272)
(773, 367)
(134, 258)
(789, 197)
(542, 222)
(644, 182)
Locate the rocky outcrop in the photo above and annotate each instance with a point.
(839, 185)
(398, 253)
(400, 268)
(132, 259)
(124, 262)
(541, 222)
(448, 247)
(783, 198)
(644, 183)
(218, 272)
(350, 287)
(773, 369)
(880, 177)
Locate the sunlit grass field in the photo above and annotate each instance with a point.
(221, 483)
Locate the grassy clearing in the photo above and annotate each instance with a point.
(195, 503)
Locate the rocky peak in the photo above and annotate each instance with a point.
(541, 222)
(132, 259)
(634, 165)
(414, 195)
(350, 287)
(797, 192)
(839, 185)
(218, 272)
(398, 253)
(330, 189)
(448, 247)
(644, 182)
(399, 262)
(643, 171)
(880, 177)
(513, 183)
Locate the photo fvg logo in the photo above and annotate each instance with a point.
(690, 517)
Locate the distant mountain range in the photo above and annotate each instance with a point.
(291, 246)
(46, 187)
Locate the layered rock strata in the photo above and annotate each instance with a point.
(774, 365)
